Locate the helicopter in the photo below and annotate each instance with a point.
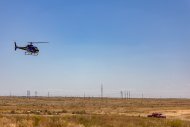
(29, 48)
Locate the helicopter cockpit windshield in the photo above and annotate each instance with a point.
(36, 48)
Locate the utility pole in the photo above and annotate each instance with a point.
(125, 94)
(84, 95)
(36, 93)
(121, 94)
(142, 98)
(102, 91)
(28, 93)
(129, 95)
(48, 94)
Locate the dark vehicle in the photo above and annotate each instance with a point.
(157, 115)
(30, 48)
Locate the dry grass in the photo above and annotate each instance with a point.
(88, 121)
(92, 112)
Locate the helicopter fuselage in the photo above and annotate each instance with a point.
(30, 49)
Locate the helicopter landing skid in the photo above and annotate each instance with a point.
(32, 54)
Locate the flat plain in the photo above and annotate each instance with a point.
(92, 112)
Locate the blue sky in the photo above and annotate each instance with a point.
(141, 46)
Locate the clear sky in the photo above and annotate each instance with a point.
(137, 45)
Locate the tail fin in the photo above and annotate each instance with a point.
(15, 46)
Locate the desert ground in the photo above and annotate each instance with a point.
(92, 112)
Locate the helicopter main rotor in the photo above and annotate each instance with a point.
(36, 42)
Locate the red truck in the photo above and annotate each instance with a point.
(157, 115)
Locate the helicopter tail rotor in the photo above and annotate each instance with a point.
(15, 46)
